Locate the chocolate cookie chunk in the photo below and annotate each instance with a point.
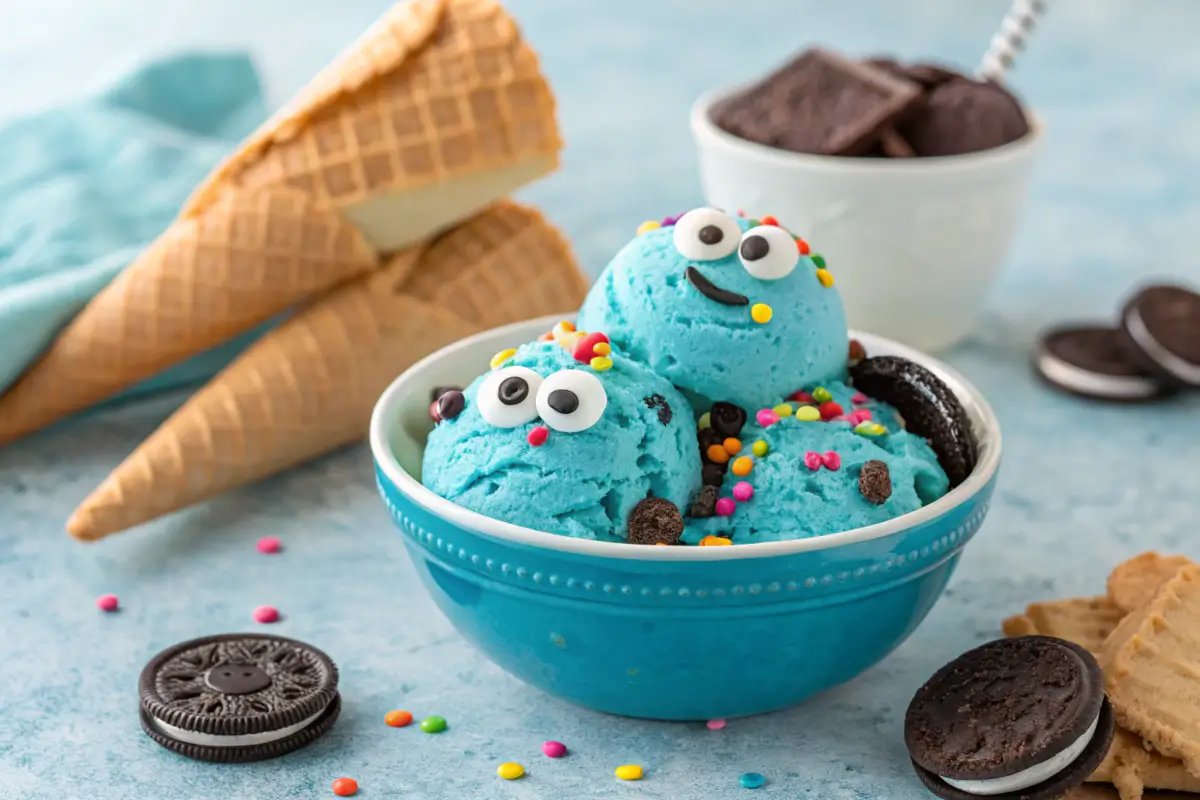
(1015, 719)
(238, 697)
(705, 503)
(654, 521)
(1160, 329)
(928, 406)
(1091, 362)
(658, 402)
(727, 419)
(964, 116)
(875, 482)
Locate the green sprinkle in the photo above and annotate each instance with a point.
(759, 448)
(869, 429)
(705, 421)
(822, 395)
(433, 724)
(819, 260)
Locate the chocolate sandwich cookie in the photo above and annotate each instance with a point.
(1091, 362)
(929, 408)
(1160, 329)
(1015, 719)
(238, 697)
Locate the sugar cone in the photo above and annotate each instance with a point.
(308, 386)
(439, 110)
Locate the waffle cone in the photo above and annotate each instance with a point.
(308, 386)
(210, 277)
(439, 110)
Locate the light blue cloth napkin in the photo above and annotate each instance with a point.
(84, 188)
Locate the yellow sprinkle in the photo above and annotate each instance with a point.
(761, 313)
(601, 363)
(705, 421)
(759, 448)
(647, 226)
(602, 348)
(566, 326)
(569, 340)
(742, 466)
(808, 414)
(502, 356)
(709, 541)
(825, 277)
(510, 771)
(783, 410)
(629, 772)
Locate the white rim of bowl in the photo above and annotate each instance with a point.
(385, 415)
(704, 128)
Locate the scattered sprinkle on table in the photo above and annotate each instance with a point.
(752, 780)
(554, 749)
(629, 772)
(510, 771)
(433, 724)
(269, 545)
(107, 603)
(398, 719)
(715, 724)
(266, 614)
(344, 787)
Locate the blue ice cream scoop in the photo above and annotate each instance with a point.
(567, 437)
(800, 473)
(724, 307)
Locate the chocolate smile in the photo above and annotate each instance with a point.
(712, 291)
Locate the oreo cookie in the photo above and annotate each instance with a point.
(654, 521)
(1016, 719)
(929, 408)
(1160, 329)
(1091, 361)
(238, 697)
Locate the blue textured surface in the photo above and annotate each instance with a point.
(1115, 202)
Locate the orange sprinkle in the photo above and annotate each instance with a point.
(717, 454)
(602, 348)
(803, 247)
(769, 220)
(732, 446)
(742, 466)
(398, 719)
(345, 787)
(715, 541)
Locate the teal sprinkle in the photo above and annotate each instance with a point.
(819, 260)
(752, 780)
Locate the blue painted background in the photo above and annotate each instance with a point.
(1083, 486)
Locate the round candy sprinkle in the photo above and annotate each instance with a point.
(705, 421)
(345, 787)
(752, 780)
(808, 414)
(825, 277)
(857, 353)
(602, 348)
(554, 749)
(783, 410)
(858, 398)
(742, 466)
(510, 771)
(715, 541)
(769, 220)
(629, 772)
(831, 460)
(601, 363)
(760, 448)
(266, 614)
(812, 460)
(726, 507)
(766, 417)
(107, 603)
(830, 409)
(433, 412)
(433, 724)
(742, 491)
(819, 260)
(821, 395)
(761, 313)
(869, 429)
(450, 404)
(538, 436)
(398, 719)
(717, 454)
(803, 247)
(802, 397)
(647, 226)
(502, 356)
(269, 545)
(732, 446)
(715, 724)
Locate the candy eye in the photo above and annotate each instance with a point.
(769, 252)
(571, 400)
(705, 234)
(508, 397)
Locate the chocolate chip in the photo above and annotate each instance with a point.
(450, 404)
(875, 482)
(705, 503)
(727, 420)
(564, 401)
(710, 234)
(664, 408)
(754, 247)
(653, 521)
(712, 474)
(513, 391)
(438, 391)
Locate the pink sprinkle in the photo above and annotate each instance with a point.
(726, 506)
(537, 437)
(269, 544)
(107, 602)
(266, 614)
(742, 491)
(831, 460)
(858, 398)
(864, 414)
(715, 724)
(812, 460)
(554, 749)
(766, 417)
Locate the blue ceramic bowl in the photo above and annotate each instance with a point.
(650, 631)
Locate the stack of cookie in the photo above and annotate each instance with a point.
(1153, 351)
(1145, 632)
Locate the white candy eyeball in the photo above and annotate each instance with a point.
(769, 252)
(705, 234)
(571, 400)
(508, 397)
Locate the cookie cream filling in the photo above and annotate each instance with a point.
(1032, 776)
(1136, 327)
(1094, 384)
(235, 740)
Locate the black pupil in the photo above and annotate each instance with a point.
(754, 248)
(710, 234)
(563, 401)
(513, 391)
